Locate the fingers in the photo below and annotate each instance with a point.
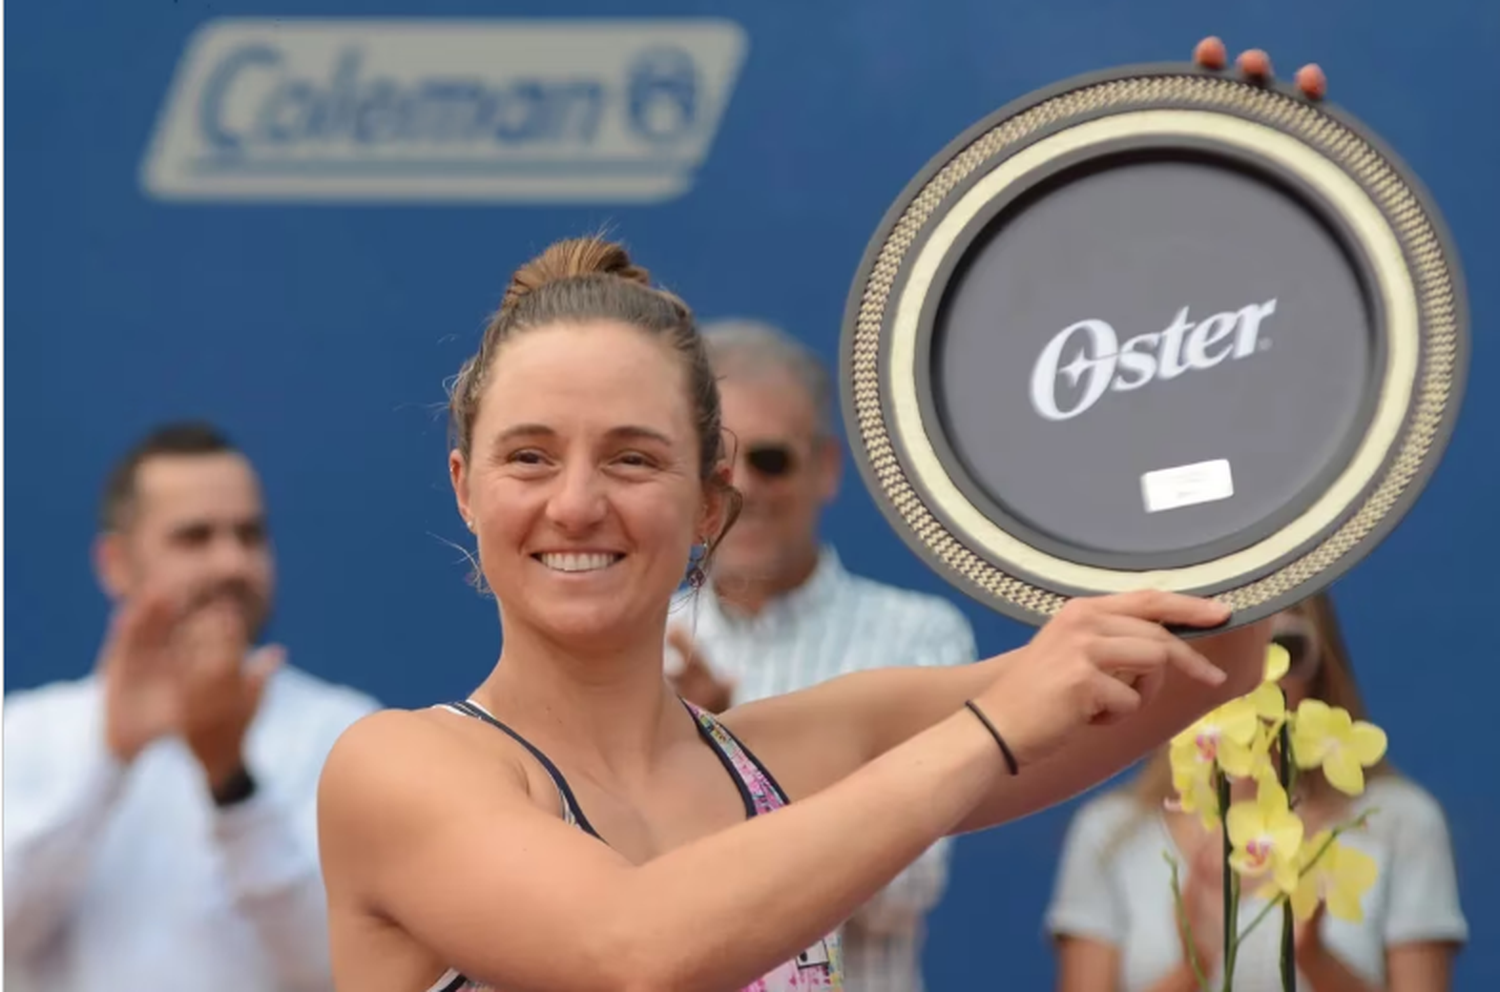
(1312, 82)
(1132, 654)
(1255, 64)
(1162, 607)
(1171, 651)
(1210, 53)
(1121, 625)
(1142, 657)
(1125, 632)
(1194, 665)
(145, 620)
(1195, 655)
(1113, 700)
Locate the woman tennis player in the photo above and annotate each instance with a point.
(572, 824)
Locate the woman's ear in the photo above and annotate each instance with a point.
(458, 473)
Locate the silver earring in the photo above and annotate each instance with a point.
(470, 524)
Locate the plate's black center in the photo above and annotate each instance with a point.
(1120, 350)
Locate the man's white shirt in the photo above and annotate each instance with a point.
(129, 878)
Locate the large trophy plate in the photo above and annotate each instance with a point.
(1155, 327)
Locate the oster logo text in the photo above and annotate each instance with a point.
(1100, 363)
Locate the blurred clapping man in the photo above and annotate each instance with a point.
(160, 829)
(778, 612)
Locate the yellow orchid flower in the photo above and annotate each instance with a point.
(1278, 663)
(1237, 737)
(1260, 765)
(1268, 849)
(1339, 876)
(1265, 775)
(1269, 703)
(1267, 698)
(1266, 835)
(1224, 736)
(1327, 737)
(1192, 781)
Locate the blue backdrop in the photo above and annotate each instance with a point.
(320, 331)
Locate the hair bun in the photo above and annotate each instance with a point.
(570, 259)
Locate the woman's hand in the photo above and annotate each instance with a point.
(1256, 64)
(1098, 660)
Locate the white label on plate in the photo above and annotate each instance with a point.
(1187, 485)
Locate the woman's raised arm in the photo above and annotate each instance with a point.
(1108, 654)
(513, 896)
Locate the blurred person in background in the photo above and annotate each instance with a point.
(778, 612)
(160, 828)
(1112, 914)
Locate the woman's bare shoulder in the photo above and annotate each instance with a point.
(403, 765)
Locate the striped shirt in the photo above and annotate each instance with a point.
(836, 623)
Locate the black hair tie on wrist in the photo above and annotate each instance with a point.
(1010, 759)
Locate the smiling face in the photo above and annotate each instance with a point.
(583, 482)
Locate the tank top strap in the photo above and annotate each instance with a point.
(820, 968)
(572, 811)
(757, 785)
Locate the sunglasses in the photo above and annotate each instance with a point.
(771, 461)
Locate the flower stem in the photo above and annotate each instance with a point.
(1283, 900)
(1288, 938)
(1231, 889)
(1187, 927)
(1264, 912)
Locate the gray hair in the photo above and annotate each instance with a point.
(751, 345)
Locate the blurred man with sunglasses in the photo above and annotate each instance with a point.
(778, 611)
